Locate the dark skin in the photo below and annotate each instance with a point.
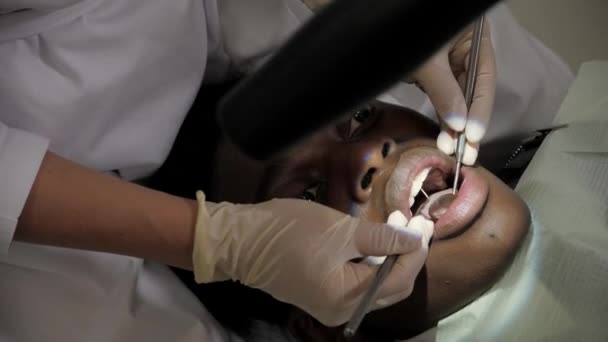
(333, 168)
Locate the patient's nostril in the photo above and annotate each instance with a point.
(367, 178)
(386, 148)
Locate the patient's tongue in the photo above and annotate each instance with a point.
(435, 181)
(437, 205)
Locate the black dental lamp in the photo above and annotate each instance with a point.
(348, 53)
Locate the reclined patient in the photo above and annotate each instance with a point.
(370, 163)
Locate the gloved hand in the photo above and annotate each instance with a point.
(443, 79)
(398, 220)
(300, 252)
(415, 260)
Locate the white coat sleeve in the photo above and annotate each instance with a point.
(242, 35)
(21, 154)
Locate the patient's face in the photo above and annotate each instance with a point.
(368, 165)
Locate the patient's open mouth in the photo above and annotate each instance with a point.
(428, 182)
(427, 169)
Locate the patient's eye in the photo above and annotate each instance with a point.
(358, 119)
(311, 193)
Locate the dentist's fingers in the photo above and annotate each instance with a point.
(395, 219)
(471, 150)
(400, 282)
(443, 90)
(385, 240)
(443, 79)
(446, 141)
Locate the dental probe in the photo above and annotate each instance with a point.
(366, 302)
(468, 95)
(424, 193)
(395, 218)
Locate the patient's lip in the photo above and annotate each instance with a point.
(469, 201)
(411, 163)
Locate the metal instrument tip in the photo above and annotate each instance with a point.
(424, 193)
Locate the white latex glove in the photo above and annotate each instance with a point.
(443, 79)
(300, 252)
(416, 259)
(398, 220)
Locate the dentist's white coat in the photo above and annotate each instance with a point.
(107, 84)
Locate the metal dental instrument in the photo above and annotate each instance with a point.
(424, 193)
(468, 95)
(366, 302)
(389, 262)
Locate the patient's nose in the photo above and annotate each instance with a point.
(367, 160)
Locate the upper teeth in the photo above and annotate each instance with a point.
(417, 184)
